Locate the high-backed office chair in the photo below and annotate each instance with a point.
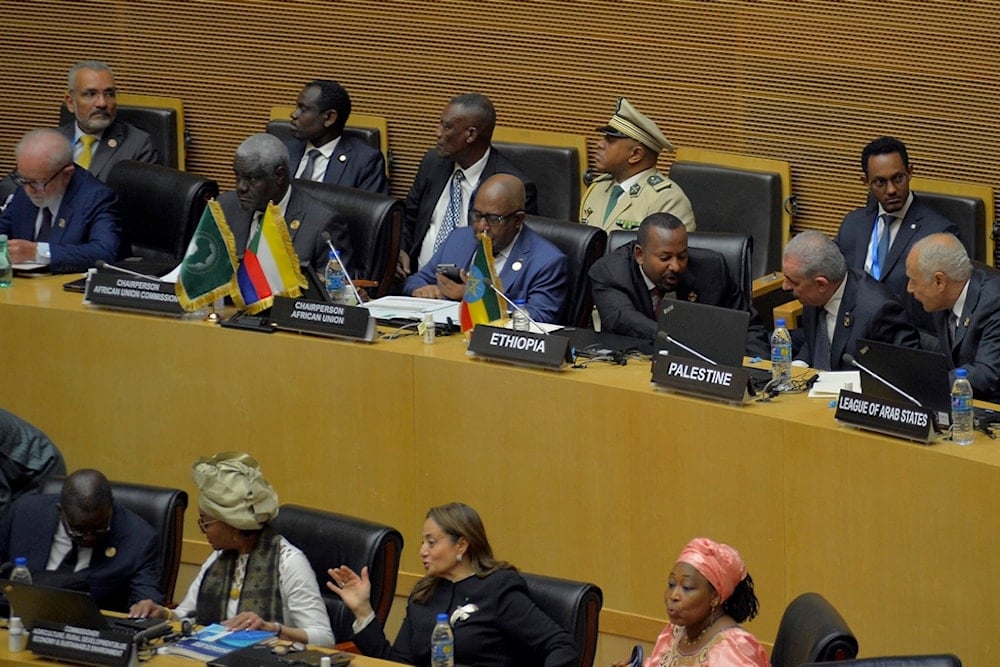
(943, 660)
(373, 130)
(968, 205)
(574, 605)
(330, 540)
(161, 117)
(162, 508)
(554, 161)
(160, 208)
(376, 224)
(811, 630)
(583, 245)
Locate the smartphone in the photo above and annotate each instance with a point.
(450, 271)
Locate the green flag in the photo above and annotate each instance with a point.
(208, 271)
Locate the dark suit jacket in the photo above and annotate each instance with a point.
(626, 308)
(867, 310)
(354, 164)
(119, 141)
(307, 218)
(85, 229)
(124, 567)
(432, 178)
(539, 279)
(977, 336)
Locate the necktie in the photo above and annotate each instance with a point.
(616, 192)
(952, 328)
(454, 212)
(821, 344)
(68, 563)
(87, 152)
(43, 229)
(880, 243)
(307, 171)
(656, 295)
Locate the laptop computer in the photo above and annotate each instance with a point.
(920, 373)
(697, 331)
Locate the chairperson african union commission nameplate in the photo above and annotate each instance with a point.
(323, 318)
(118, 290)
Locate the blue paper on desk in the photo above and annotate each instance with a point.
(218, 634)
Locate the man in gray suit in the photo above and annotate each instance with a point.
(261, 168)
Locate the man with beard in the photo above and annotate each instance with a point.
(631, 282)
(60, 215)
(631, 187)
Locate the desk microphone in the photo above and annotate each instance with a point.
(101, 264)
(326, 237)
(664, 337)
(851, 361)
(152, 632)
(516, 307)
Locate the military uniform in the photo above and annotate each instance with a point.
(652, 193)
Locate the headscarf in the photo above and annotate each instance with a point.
(719, 563)
(233, 489)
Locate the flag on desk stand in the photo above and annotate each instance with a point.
(270, 266)
(480, 304)
(208, 270)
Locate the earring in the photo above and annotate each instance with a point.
(459, 558)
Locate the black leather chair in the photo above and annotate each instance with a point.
(162, 508)
(583, 245)
(370, 135)
(376, 223)
(330, 540)
(555, 171)
(574, 605)
(942, 660)
(160, 208)
(969, 213)
(811, 630)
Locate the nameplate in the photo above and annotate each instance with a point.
(117, 290)
(889, 416)
(520, 347)
(725, 383)
(72, 644)
(323, 318)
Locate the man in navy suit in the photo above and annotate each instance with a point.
(841, 305)
(448, 177)
(60, 215)
(528, 266)
(82, 537)
(965, 304)
(322, 152)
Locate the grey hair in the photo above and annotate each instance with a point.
(945, 253)
(266, 151)
(818, 255)
(95, 65)
(58, 150)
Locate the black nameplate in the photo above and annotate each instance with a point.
(69, 643)
(521, 347)
(702, 379)
(118, 290)
(323, 318)
(891, 417)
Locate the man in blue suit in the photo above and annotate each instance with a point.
(528, 266)
(60, 215)
(83, 538)
(322, 152)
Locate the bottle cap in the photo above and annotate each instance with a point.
(442, 618)
(20, 561)
(780, 322)
(961, 373)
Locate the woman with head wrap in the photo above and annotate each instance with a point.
(254, 579)
(709, 593)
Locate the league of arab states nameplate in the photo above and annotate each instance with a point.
(120, 290)
(323, 318)
(885, 415)
(692, 376)
(519, 347)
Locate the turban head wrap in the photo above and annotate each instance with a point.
(233, 490)
(719, 563)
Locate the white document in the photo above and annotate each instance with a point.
(413, 308)
(830, 383)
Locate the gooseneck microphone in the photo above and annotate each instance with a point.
(326, 237)
(101, 264)
(851, 361)
(664, 337)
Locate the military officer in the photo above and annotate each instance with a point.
(631, 187)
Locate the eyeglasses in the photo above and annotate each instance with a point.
(492, 219)
(93, 93)
(75, 534)
(204, 524)
(881, 183)
(21, 182)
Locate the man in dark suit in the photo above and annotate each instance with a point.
(886, 172)
(632, 280)
(449, 174)
(60, 215)
(261, 168)
(965, 304)
(100, 140)
(529, 267)
(82, 537)
(322, 152)
(841, 304)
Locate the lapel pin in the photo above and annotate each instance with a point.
(693, 296)
(110, 552)
(112, 143)
(516, 266)
(965, 322)
(295, 225)
(847, 320)
(62, 223)
(342, 158)
(913, 225)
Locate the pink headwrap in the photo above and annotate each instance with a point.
(719, 563)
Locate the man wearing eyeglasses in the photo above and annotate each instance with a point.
(878, 237)
(83, 538)
(528, 266)
(60, 216)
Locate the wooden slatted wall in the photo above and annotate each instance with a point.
(809, 82)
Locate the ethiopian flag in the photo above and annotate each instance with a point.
(270, 266)
(209, 265)
(480, 304)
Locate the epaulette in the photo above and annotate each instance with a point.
(658, 182)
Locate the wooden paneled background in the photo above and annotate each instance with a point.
(809, 82)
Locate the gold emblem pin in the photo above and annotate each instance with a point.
(62, 223)
(295, 225)
(110, 552)
(112, 143)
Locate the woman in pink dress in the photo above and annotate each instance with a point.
(709, 594)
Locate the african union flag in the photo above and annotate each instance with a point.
(480, 304)
(209, 267)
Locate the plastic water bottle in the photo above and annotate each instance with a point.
(442, 643)
(781, 357)
(336, 281)
(519, 318)
(962, 430)
(17, 638)
(6, 266)
(21, 572)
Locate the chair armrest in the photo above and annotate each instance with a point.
(767, 284)
(790, 311)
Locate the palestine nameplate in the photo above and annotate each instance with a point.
(118, 290)
(519, 347)
(323, 318)
(692, 376)
(885, 415)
